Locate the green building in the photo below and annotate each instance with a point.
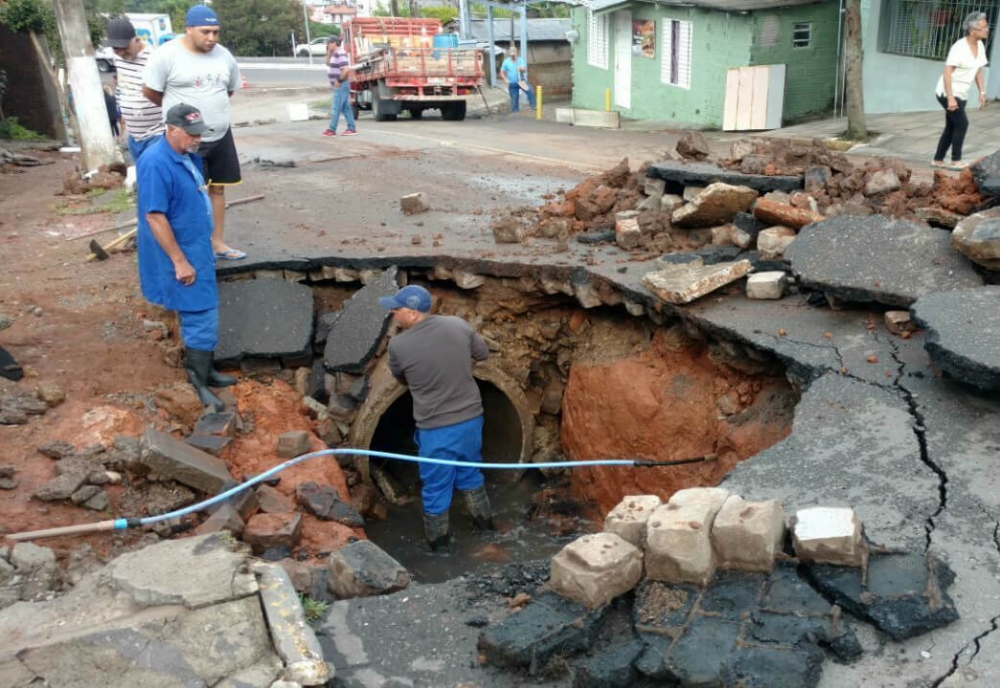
(730, 64)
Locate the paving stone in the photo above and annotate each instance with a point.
(549, 625)
(829, 535)
(271, 531)
(414, 203)
(681, 284)
(772, 242)
(609, 668)
(653, 187)
(788, 593)
(273, 502)
(264, 318)
(717, 204)
(178, 461)
(765, 667)
(794, 629)
(847, 257)
(294, 443)
(244, 501)
(748, 535)
(961, 334)
(323, 502)
(224, 518)
(732, 595)
(627, 233)
(905, 595)
(362, 569)
(210, 444)
(595, 569)
(898, 322)
(221, 423)
(679, 545)
(679, 174)
(628, 518)
(360, 327)
(771, 284)
(688, 662)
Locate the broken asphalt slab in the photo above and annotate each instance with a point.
(359, 326)
(264, 318)
(963, 333)
(878, 259)
(679, 174)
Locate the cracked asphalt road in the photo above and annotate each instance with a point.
(915, 455)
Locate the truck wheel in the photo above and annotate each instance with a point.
(356, 110)
(379, 111)
(453, 112)
(416, 113)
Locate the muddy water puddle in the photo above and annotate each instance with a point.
(520, 536)
(521, 188)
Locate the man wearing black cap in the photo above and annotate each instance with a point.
(176, 262)
(433, 356)
(195, 69)
(143, 118)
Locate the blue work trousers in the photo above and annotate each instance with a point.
(200, 329)
(341, 104)
(459, 442)
(515, 100)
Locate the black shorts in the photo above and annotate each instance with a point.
(220, 162)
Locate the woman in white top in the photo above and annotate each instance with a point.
(964, 64)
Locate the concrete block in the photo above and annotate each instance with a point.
(210, 444)
(684, 283)
(829, 535)
(627, 233)
(772, 242)
(691, 193)
(767, 285)
(595, 569)
(468, 280)
(267, 531)
(362, 569)
(628, 519)
(747, 535)
(293, 638)
(412, 204)
(678, 537)
(225, 518)
(178, 461)
(670, 202)
(294, 443)
(654, 187)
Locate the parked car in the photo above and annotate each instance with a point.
(105, 57)
(316, 46)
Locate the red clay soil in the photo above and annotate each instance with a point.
(665, 403)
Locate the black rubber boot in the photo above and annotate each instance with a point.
(198, 364)
(436, 530)
(478, 504)
(217, 379)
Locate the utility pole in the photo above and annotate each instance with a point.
(857, 129)
(96, 141)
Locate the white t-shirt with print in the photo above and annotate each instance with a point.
(966, 66)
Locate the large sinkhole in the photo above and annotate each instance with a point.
(568, 383)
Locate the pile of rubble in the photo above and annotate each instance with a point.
(642, 600)
(677, 205)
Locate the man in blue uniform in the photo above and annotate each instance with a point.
(434, 356)
(176, 262)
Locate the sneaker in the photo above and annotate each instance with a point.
(329, 132)
(349, 132)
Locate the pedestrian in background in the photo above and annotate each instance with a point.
(338, 71)
(143, 118)
(195, 69)
(514, 71)
(176, 262)
(433, 356)
(963, 66)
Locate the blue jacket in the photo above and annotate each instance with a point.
(166, 185)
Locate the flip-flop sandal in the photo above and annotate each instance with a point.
(231, 254)
(939, 164)
(957, 167)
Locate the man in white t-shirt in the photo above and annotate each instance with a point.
(963, 66)
(196, 70)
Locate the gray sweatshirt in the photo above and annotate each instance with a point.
(434, 358)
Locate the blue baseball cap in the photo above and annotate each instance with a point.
(411, 296)
(199, 15)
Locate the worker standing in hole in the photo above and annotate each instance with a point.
(433, 356)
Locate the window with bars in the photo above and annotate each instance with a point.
(597, 40)
(801, 35)
(928, 28)
(675, 64)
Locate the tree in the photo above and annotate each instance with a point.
(258, 27)
(854, 91)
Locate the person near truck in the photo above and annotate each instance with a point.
(143, 118)
(338, 72)
(514, 71)
(195, 69)
(176, 261)
(433, 356)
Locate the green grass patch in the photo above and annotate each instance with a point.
(117, 202)
(10, 128)
(314, 609)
